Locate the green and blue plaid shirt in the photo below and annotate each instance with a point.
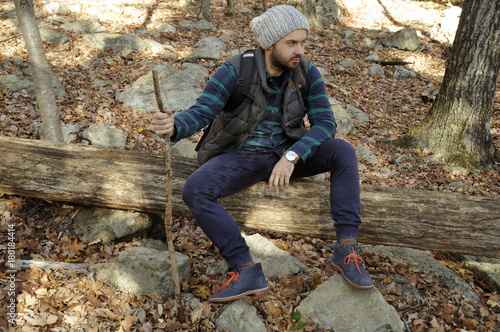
(268, 135)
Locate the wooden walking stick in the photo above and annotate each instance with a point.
(168, 208)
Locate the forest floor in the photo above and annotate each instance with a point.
(62, 300)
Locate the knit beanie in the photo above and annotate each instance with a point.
(276, 23)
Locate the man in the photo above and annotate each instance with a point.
(266, 140)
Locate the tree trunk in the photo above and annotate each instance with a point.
(457, 127)
(136, 181)
(204, 10)
(40, 69)
(229, 8)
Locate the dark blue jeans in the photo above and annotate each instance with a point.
(233, 171)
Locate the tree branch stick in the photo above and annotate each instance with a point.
(168, 208)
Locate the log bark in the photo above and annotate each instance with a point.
(133, 180)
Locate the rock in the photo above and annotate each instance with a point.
(348, 33)
(327, 12)
(368, 43)
(18, 83)
(202, 25)
(429, 266)
(324, 72)
(403, 73)
(343, 119)
(275, 262)
(178, 90)
(125, 43)
(457, 170)
(142, 270)
(429, 95)
(346, 63)
(54, 37)
(165, 27)
(70, 131)
(365, 155)
(197, 72)
(357, 114)
(240, 316)
(209, 48)
(152, 244)
(485, 268)
(219, 266)
(375, 70)
(333, 303)
(105, 134)
(108, 225)
(373, 57)
(57, 8)
(405, 39)
(190, 300)
(153, 46)
(88, 26)
(184, 148)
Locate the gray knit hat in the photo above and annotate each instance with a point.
(276, 23)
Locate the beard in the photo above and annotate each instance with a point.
(279, 62)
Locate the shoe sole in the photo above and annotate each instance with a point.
(258, 292)
(337, 268)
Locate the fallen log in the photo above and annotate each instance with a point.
(131, 180)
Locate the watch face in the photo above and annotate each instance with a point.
(290, 156)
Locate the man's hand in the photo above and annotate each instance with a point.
(164, 123)
(280, 177)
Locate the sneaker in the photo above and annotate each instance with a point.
(348, 262)
(250, 281)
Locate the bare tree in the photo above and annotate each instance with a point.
(40, 70)
(229, 8)
(457, 127)
(204, 10)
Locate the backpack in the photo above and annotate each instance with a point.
(245, 66)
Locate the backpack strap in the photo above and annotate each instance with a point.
(245, 66)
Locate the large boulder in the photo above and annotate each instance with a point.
(126, 43)
(405, 39)
(108, 225)
(240, 316)
(178, 88)
(427, 265)
(141, 270)
(275, 262)
(18, 83)
(336, 305)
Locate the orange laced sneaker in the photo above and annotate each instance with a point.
(348, 262)
(250, 281)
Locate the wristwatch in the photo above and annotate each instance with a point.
(292, 156)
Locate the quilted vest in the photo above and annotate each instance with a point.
(236, 122)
